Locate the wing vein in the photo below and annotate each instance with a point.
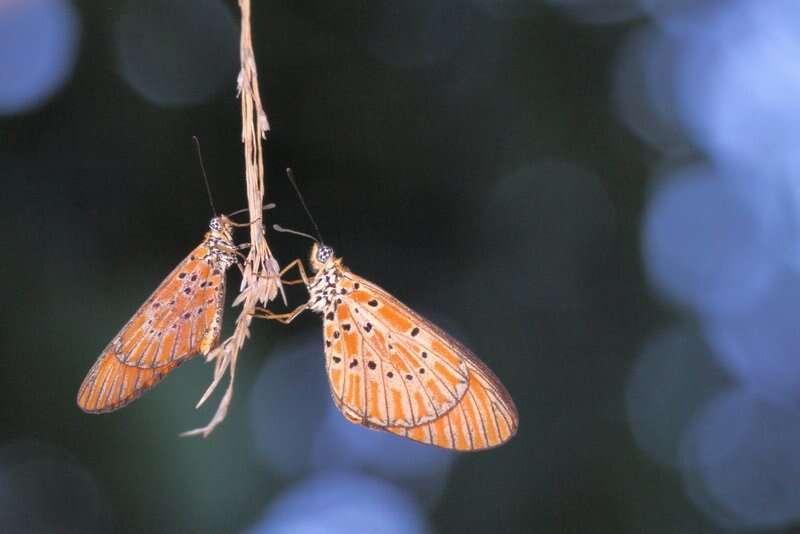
(383, 383)
(175, 342)
(452, 435)
(480, 416)
(466, 425)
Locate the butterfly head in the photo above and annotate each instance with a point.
(221, 227)
(321, 256)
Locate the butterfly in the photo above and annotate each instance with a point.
(390, 369)
(183, 317)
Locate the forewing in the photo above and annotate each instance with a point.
(180, 319)
(484, 418)
(389, 367)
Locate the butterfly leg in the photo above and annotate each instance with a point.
(237, 250)
(303, 276)
(284, 318)
(287, 318)
(301, 270)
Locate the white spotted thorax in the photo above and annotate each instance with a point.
(219, 240)
(328, 268)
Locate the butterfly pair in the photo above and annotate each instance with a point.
(389, 369)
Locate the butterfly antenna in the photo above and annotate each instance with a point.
(279, 228)
(290, 175)
(205, 177)
(269, 206)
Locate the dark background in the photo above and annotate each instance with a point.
(467, 156)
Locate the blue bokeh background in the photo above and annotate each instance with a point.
(600, 197)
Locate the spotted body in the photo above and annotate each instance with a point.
(183, 317)
(390, 369)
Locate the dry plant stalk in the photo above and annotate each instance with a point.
(260, 281)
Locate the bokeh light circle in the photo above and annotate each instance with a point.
(737, 81)
(746, 454)
(342, 503)
(177, 52)
(759, 345)
(288, 404)
(675, 14)
(38, 47)
(674, 375)
(706, 244)
(421, 469)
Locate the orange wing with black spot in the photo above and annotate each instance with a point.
(387, 366)
(180, 319)
(391, 369)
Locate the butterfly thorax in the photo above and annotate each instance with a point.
(219, 241)
(323, 288)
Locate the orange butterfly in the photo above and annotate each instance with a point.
(392, 370)
(183, 317)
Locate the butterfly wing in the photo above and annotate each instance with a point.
(484, 418)
(110, 384)
(390, 368)
(180, 319)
